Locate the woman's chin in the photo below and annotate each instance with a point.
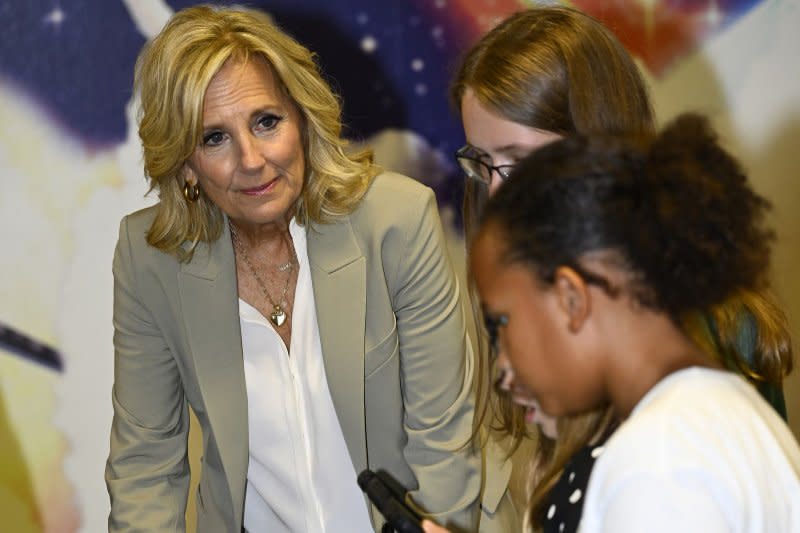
(547, 423)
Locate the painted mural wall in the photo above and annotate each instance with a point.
(70, 168)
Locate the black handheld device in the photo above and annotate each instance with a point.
(397, 514)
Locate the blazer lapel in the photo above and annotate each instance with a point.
(338, 273)
(210, 307)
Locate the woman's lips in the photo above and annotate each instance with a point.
(261, 189)
(525, 401)
(535, 415)
(528, 403)
(522, 396)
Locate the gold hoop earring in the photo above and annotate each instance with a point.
(191, 192)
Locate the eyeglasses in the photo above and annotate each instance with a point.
(492, 324)
(475, 167)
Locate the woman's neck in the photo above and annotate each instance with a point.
(258, 236)
(648, 349)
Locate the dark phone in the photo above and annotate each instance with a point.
(398, 515)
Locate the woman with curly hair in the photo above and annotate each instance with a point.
(587, 260)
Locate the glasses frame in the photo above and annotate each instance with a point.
(461, 155)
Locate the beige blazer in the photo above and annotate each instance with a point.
(393, 338)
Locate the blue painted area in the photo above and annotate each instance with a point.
(75, 59)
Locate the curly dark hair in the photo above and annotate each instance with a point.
(675, 210)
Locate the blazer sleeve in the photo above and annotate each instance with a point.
(147, 472)
(436, 372)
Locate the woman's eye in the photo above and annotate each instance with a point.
(268, 122)
(213, 138)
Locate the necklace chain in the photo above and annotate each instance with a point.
(279, 313)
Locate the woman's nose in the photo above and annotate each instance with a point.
(251, 157)
(496, 180)
(505, 375)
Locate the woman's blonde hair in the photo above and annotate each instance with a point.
(172, 74)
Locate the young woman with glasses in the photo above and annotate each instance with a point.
(540, 75)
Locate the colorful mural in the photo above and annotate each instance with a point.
(71, 169)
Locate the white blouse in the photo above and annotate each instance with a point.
(300, 477)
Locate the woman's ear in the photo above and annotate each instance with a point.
(573, 297)
(187, 175)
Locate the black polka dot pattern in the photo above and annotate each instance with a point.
(565, 503)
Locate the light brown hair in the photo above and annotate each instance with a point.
(554, 69)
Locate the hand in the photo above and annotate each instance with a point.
(430, 527)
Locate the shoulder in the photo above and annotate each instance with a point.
(391, 192)
(392, 183)
(135, 225)
(689, 402)
(393, 202)
(133, 251)
(701, 438)
(697, 421)
(695, 398)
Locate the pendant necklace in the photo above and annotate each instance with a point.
(279, 314)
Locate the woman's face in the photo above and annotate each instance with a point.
(522, 396)
(250, 161)
(533, 337)
(500, 141)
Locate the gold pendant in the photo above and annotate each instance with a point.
(277, 316)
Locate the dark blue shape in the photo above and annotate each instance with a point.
(25, 346)
(80, 70)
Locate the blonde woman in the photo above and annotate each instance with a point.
(298, 299)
